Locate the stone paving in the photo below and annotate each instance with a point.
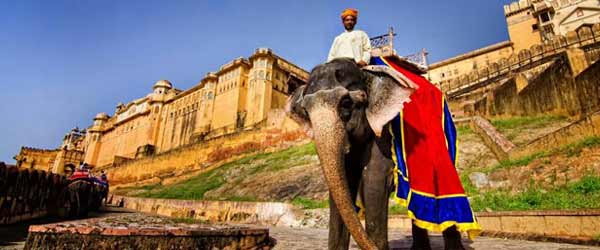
(13, 237)
(311, 239)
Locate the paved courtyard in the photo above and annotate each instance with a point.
(311, 239)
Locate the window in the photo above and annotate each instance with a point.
(545, 17)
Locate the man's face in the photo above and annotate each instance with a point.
(349, 22)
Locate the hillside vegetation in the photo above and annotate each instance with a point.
(563, 178)
(287, 175)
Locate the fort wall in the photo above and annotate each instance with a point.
(238, 97)
(441, 73)
(554, 91)
(28, 193)
(207, 154)
(534, 28)
(38, 159)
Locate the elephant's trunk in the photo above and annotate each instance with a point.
(329, 136)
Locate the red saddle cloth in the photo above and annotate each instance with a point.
(424, 151)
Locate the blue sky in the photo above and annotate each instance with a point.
(63, 61)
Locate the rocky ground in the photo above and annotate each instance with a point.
(522, 130)
(472, 152)
(549, 171)
(291, 181)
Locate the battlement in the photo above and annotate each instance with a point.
(40, 150)
(516, 7)
(587, 37)
(471, 54)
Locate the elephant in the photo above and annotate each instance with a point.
(347, 112)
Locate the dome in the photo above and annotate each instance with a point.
(163, 83)
(101, 116)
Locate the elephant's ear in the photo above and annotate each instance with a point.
(296, 112)
(388, 91)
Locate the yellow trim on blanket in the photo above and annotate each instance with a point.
(386, 62)
(472, 228)
(444, 128)
(437, 196)
(361, 208)
(444, 123)
(403, 144)
(396, 171)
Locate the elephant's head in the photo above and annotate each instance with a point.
(341, 102)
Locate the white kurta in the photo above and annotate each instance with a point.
(353, 44)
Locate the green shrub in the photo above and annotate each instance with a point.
(306, 203)
(584, 193)
(575, 149)
(587, 185)
(470, 189)
(464, 130)
(397, 209)
(529, 121)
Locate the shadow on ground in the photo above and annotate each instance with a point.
(14, 236)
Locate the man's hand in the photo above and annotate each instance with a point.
(361, 63)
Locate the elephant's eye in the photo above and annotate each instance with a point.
(346, 106)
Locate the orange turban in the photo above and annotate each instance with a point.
(350, 12)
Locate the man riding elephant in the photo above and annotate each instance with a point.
(351, 43)
(381, 129)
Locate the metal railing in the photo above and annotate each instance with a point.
(587, 38)
(383, 45)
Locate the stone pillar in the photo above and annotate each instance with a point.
(577, 61)
(59, 162)
(521, 82)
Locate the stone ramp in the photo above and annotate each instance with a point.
(139, 231)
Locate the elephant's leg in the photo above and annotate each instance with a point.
(339, 237)
(452, 239)
(420, 239)
(377, 181)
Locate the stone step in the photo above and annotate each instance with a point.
(143, 232)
